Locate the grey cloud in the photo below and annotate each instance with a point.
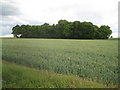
(5, 30)
(94, 17)
(34, 22)
(9, 22)
(9, 9)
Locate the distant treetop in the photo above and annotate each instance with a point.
(63, 30)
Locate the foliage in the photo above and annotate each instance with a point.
(64, 29)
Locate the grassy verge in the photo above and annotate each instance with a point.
(17, 76)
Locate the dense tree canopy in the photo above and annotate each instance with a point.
(64, 29)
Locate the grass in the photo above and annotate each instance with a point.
(114, 38)
(94, 60)
(16, 76)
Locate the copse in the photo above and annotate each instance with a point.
(63, 30)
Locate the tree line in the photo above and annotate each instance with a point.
(63, 30)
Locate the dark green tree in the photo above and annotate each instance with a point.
(104, 32)
(64, 29)
(16, 31)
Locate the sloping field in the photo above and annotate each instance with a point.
(94, 60)
(16, 76)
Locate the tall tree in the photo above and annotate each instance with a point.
(104, 32)
(64, 29)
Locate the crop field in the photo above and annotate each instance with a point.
(18, 76)
(93, 60)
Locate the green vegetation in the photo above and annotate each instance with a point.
(94, 60)
(64, 29)
(114, 38)
(16, 76)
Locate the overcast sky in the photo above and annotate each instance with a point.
(37, 12)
